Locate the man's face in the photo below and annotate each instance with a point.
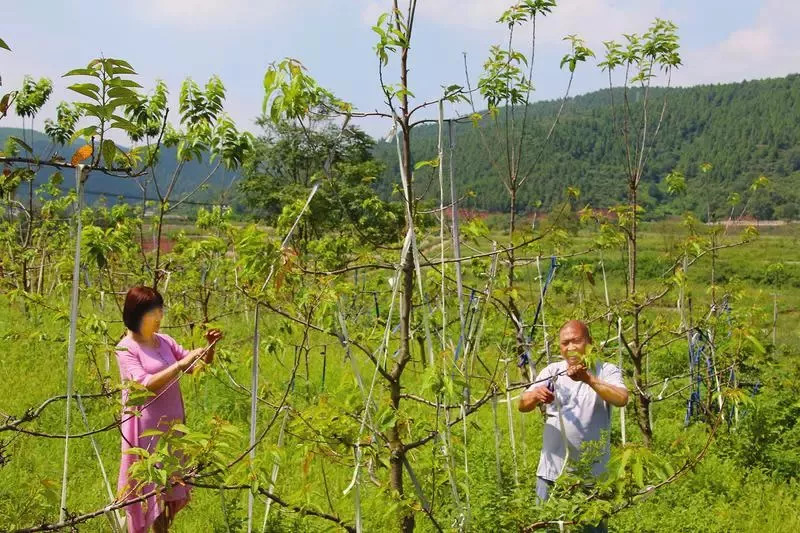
(572, 342)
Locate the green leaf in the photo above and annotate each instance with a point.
(475, 229)
(638, 472)
(80, 72)
(57, 178)
(676, 183)
(4, 45)
(117, 71)
(21, 143)
(93, 110)
(123, 124)
(623, 462)
(124, 83)
(123, 101)
(141, 452)
(430, 163)
(573, 192)
(109, 152)
(119, 92)
(269, 79)
(119, 63)
(89, 90)
(761, 181)
(183, 428)
(88, 131)
(756, 344)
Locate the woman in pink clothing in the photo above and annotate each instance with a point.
(155, 361)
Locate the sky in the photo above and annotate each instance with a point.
(721, 41)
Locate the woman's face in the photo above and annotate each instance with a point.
(151, 322)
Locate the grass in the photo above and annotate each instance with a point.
(33, 369)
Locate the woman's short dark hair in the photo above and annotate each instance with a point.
(138, 302)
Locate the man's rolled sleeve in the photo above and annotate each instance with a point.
(612, 375)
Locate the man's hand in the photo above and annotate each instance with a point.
(578, 372)
(538, 395)
(541, 394)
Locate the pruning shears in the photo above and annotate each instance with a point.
(551, 386)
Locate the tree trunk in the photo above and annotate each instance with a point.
(396, 446)
(157, 266)
(642, 403)
(516, 317)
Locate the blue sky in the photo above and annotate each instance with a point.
(171, 39)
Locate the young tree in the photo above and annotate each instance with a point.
(641, 59)
(507, 87)
(289, 159)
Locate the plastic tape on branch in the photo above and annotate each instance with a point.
(525, 357)
(698, 348)
(694, 393)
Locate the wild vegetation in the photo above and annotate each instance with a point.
(375, 341)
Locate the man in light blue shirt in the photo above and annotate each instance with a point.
(584, 398)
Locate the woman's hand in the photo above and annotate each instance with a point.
(213, 335)
(191, 357)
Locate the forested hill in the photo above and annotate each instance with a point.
(112, 188)
(743, 129)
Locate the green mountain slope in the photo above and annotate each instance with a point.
(743, 129)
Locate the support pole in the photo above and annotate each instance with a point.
(621, 409)
(443, 266)
(80, 176)
(774, 318)
(511, 437)
(253, 415)
(456, 236)
(497, 463)
(276, 467)
(114, 518)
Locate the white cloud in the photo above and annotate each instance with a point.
(472, 14)
(371, 11)
(592, 19)
(768, 47)
(201, 14)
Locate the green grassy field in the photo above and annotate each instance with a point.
(728, 491)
